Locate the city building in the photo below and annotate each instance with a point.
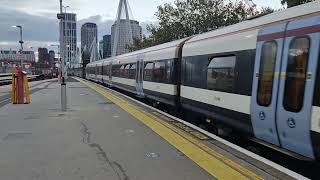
(101, 49)
(11, 58)
(89, 39)
(51, 56)
(105, 47)
(42, 54)
(124, 35)
(69, 24)
(14, 56)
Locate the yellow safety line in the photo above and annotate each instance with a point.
(26, 89)
(214, 163)
(204, 147)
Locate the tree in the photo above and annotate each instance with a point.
(291, 3)
(185, 18)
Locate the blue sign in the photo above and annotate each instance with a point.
(291, 123)
(262, 116)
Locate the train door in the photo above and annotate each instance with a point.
(95, 72)
(296, 82)
(299, 66)
(139, 78)
(110, 72)
(104, 70)
(265, 84)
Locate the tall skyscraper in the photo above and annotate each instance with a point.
(42, 54)
(124, 30)
(101, 49)
(51, 56)
(105, 46)
(89, 40)
(70, 38)
(123, 35)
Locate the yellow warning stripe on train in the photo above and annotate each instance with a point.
(213, 162)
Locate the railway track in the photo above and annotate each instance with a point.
(6, 79)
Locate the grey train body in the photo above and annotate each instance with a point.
(260, 77)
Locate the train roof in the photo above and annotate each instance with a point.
(168, 50)
(243, 35)
(100, 61)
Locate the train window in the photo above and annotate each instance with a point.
(221, 74)
(159, 72)
(122, 70)
(99, 70)
(168, 71)
(132, 71)
(106, 70)
(116, 70)
(266, 73)
(194, 71)
(148, 69)
(126, 70)
(316, 96)
(296, 74)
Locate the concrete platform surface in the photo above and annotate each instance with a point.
(106, 135)
(5, 91)
(95, 139)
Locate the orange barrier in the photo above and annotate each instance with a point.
(20, 87)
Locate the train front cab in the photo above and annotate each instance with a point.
(90, 72)
(285, 95)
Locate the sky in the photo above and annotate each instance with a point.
(40, 26)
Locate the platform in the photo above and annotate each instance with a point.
(105, 135)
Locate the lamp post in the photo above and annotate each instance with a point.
(62, 17)
(21, 44)
(65, 8)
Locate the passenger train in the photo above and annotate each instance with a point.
(260, 77)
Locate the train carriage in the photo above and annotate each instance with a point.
(150, 73)
(90, 71)
(260, 77)
(123, 72)
(161, 74)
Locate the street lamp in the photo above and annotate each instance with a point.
(65, 8)
(21, 43)
(62, 17)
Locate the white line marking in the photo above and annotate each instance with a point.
(227, 143)
(31, 88)
(4, 100)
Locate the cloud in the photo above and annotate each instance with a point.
(41, 30)
(104, 25)
(37, 28)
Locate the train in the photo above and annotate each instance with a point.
(260, 77)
